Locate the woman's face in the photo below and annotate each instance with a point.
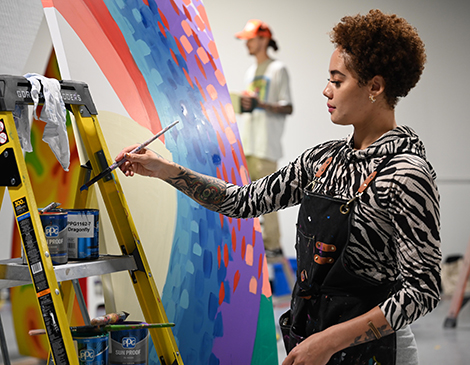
(347, 103)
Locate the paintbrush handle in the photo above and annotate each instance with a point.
(115, 165)
(37, 332)
(151, 139)
(78, 329)
(123, 326)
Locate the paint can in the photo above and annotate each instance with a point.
(83, 234)
(54, 222)
(129, 347)
(92, 349)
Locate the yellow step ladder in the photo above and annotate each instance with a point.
(55, 301)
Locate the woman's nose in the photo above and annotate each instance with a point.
(327, 91)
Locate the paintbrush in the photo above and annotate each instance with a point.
(106, 328)
(53, 205)
(115, 165)
(110, 318)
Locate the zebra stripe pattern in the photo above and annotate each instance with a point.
(395, 227)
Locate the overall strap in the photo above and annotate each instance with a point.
(323, 167)
(346, 207)
(321, 170)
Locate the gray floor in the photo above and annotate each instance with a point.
(437, 345)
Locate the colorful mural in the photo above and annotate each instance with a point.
(160, 58)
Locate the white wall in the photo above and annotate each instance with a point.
(436, 108)
(24, 48)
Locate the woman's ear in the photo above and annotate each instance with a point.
(377, 85)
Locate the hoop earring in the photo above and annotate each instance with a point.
(372, 99)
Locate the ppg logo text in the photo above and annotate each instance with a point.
(129, 342)
(87, 355)
(52, 231)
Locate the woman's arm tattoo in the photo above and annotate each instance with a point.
(370, 336)
(206, 190)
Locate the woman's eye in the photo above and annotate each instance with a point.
(336, 83)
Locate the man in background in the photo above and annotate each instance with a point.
(265, 103)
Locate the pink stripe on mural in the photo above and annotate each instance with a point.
(105, 42)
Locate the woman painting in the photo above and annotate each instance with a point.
(368, 245)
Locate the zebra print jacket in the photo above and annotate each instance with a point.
(395, 226)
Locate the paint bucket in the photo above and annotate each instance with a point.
(129, 347)
(54, 222)
(83, 234)
(92, 349)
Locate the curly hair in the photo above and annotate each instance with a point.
(385, 45)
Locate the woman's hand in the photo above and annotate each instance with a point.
(317, 349)
(145, 162)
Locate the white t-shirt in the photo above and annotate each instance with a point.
(261, 131)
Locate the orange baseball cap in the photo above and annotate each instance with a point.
(253, 28)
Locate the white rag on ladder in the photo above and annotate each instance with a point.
(53, 113)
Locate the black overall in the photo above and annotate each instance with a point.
(327, 292)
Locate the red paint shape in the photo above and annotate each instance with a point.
(235, 159)
(202, 92)
(196, 38)
(230, 219)
(234, 240)
(212, 62)
(226, 256)
(234, 177)
(224, 172)
(236, 279)
(260, 265)
(162, 28)
(243, 248)
(221, 293)
(239, 224)
(174, 57)
(221, 216)
(219, 256)
(201, 67)
(186, 12)
(175, 7)
(180, 48)
(188, 78)
(254, 237)
(164, 19)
